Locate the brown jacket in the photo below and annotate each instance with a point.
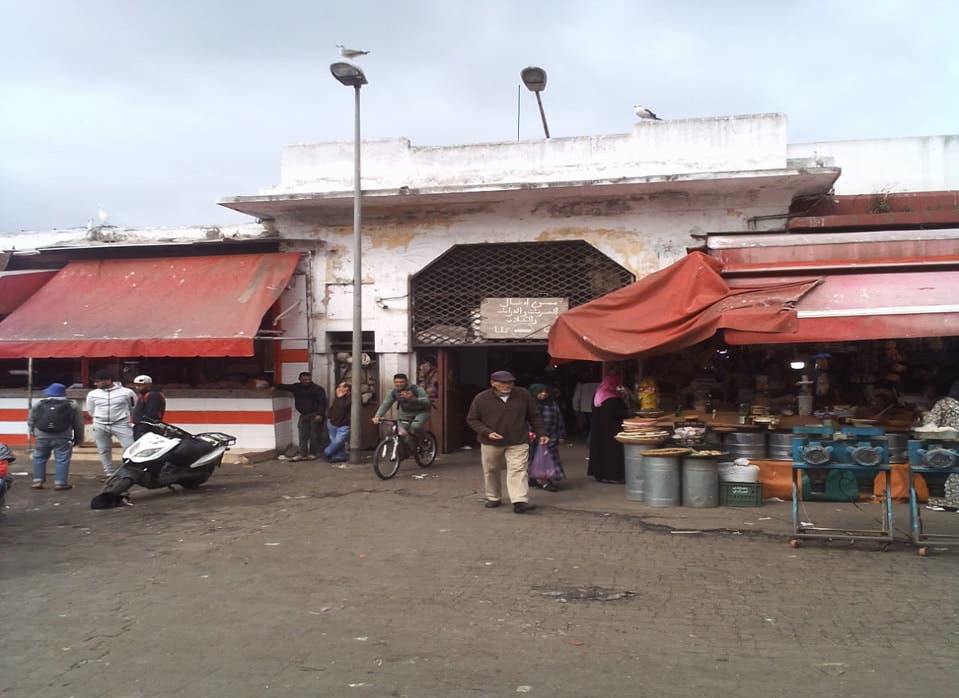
(510, 419)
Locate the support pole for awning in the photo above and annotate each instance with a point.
(29, 402)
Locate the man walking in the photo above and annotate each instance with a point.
(500, 416)
(151, 403)
(338, 424)
(109, 406)
(56, 424)
(309, 399)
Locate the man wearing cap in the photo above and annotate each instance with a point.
(109, 407)
(151, 403)
(501, 417)
(56, 425)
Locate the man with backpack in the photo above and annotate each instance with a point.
(109, 407)
(56, 424)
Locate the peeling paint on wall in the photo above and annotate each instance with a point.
(638, 252)
(580, 207)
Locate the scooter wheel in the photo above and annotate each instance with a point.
(193, 484)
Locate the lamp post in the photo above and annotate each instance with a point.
(350, 75)
(535, 80)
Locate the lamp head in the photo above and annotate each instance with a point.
(534, 78)
(348, 73)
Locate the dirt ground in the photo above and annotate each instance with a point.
(279, 579)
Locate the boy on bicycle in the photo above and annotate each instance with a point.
(412, 405)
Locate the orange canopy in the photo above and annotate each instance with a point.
(675, 307)
(176, 306)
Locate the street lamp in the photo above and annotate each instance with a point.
(535, 80)
(351, 76)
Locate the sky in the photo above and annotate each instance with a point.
(154, 109)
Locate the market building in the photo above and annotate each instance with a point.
(450, 232)
(470, 252)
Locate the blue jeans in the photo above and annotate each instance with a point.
(339, 437)
(62, 452)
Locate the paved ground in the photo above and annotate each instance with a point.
(305, 579)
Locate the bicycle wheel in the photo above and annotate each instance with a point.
(425, 451)
(386, 458)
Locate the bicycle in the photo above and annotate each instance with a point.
(396, 446)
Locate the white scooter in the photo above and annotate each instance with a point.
(162, 456)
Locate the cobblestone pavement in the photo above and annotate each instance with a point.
(280, 579)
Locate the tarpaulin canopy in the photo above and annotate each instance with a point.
(176, 306)
(881, 305)
(17, 286)
(675, 307)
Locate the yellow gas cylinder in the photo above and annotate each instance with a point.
(648, 394)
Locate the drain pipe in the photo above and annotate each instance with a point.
(309, 311)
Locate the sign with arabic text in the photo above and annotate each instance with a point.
(519, 318)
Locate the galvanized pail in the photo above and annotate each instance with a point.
(635, 475)
(662, 480)
(746, 444)
(700, 482)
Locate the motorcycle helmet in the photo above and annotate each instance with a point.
(141, 379)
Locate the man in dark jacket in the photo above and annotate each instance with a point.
(501, 418)
(150, 404)
(309, 399)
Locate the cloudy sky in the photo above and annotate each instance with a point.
(155, 109)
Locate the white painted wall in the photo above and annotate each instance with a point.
(929, 163)
(721, 144)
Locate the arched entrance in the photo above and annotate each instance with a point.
(452, 335)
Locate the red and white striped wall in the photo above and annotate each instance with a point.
(256, 422)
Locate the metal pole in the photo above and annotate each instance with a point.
(355, 396)
(542, 114)
(29, 400)
(517, 111)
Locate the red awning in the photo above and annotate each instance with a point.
(850, 307)
(182, 306)
(685, 303)
(17, 286)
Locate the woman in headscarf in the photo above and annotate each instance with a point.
(606, 460)
(554, 426)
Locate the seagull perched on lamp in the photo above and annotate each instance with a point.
(644, 113)
(350, 53)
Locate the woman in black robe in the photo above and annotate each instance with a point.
(606, 460)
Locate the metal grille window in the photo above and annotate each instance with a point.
(447, 294)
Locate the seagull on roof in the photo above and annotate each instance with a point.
(644, 113)
(350, 53)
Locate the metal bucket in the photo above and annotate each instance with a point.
(713, 440)
(746, 444)
(635, 474)
(898, 447)
(700, 482)
(662, 480)
(781, 445)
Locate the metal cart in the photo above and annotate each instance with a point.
(856, 450)
(935, 460)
